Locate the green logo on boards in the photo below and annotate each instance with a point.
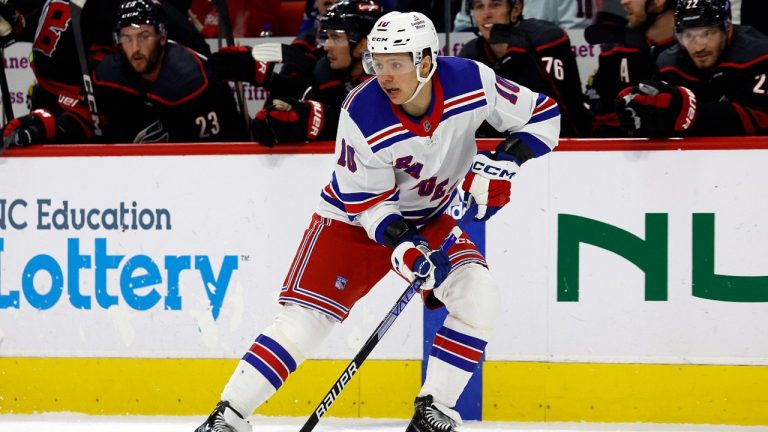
(651, 256)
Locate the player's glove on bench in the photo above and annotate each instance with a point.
(37, 127)
(656, 109)
(288, 120)
(489, 181)
(236, 63)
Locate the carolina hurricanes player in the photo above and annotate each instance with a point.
(405, 142)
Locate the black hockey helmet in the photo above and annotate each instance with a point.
(137, 12)
(355, 17)
(702, 13)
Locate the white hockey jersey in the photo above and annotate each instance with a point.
(388, 163)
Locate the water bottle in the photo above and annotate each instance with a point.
(267, 31)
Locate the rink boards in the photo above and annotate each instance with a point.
(633, 283)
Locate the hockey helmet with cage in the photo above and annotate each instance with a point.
(354, 17)
(702, 13)
(137, 12)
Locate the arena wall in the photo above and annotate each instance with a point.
(633, 278)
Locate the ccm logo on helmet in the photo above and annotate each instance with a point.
(379, 39)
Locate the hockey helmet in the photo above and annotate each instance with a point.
(403, 32)
(137, 12)
(354, 17)
(702, 13)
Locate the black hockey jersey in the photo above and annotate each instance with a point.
(185, 104)
(539, 57)
(732, 97)
(622, 63)
(55, 62)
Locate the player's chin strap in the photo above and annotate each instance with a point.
(422, 81)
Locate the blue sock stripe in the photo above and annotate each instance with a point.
(264, 369)
(462, 338)
(278, 350)
(453, 360)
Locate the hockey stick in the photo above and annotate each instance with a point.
(7, 106)
(76, 12)
(374, 339)
(226, 27)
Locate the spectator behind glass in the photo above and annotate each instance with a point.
(248, 16)
(155, 90)
(567, 14)
(715, 82)
(315, 115)
(531, 52)
(628, 55)
(59, 113)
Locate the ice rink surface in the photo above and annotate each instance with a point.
(83, 423)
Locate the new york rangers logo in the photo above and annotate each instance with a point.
(341, 283)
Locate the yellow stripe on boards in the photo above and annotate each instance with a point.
(107, 386)
(513, 391)
(625, 393)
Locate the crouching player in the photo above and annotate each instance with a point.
(405, 144)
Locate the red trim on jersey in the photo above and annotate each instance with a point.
(744, 65)
(546, 104)
(468, 353)
(760, 117)
(433, 119)
(679, 72)
(357, 208)
(271, 359)
(385, 134)
(515, 49)
(749, 129)
(324, 86)
(303, 42)
(463, 99)
(620, 49)
(116, 86)
(190, 96)
(553, 43)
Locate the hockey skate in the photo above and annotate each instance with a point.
(432, 417)
(224, 419)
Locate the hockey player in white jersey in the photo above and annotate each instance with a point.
(405, 146)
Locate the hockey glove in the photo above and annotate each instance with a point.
(656, 109)
(489, 181)
(12, 23)
(236, 63)
(37, 127)
(288, 120)
(413, 259)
